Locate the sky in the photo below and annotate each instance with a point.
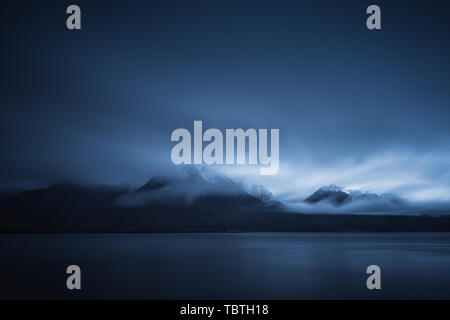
(361, 109)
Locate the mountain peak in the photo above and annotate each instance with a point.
(192, 174)
(260, 192)
(331, 194)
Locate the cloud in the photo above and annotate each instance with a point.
(415, 177)
(351, 111)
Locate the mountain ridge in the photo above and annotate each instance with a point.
(194, 202)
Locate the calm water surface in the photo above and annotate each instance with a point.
(226, 266)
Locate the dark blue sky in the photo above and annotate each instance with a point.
(358, 108)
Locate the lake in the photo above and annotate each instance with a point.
(226, 265)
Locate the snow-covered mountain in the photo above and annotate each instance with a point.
(193, 182)
(331, 194)
(334, 199)
(260, 192)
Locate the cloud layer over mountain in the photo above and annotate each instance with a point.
(366, 111)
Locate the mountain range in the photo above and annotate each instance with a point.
(337, 197)
(199, 200)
